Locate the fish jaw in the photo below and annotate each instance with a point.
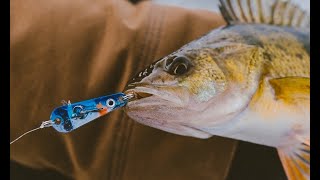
(164, 114)
(167, 109)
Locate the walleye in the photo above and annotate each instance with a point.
(248, 80)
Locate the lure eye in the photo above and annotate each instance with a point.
(110, 103)
(77, 109)
(179, 66)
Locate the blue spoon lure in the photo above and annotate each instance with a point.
(71, 116)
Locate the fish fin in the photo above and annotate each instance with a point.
(291, 89)
(276, 12)
(304, 140)
(296, 160)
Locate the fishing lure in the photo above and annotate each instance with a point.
(71, 116)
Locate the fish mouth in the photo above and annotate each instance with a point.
(143, 93)
(138, 95)
(135, 94)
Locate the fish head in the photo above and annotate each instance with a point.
(186, 92)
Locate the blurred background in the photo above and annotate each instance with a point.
(212, 5)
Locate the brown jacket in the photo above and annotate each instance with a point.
(80, 49)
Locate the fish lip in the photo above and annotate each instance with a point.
(142, 92)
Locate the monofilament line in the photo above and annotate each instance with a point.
(43, 125)
(25, 134)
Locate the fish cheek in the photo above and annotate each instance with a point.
(205, 80)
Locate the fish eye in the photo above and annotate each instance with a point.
(110, 103)
(180, 69)
(179, 66)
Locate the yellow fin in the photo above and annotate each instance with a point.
(295, 158)
(291, 89)
(296, 161)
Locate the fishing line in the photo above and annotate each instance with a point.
(43, 125)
